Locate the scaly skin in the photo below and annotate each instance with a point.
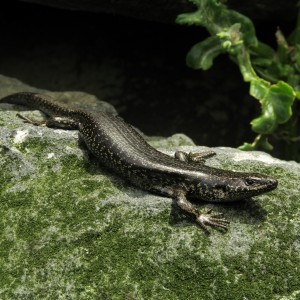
(120, 148)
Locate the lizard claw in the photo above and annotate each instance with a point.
(213, 220)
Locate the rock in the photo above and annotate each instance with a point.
(77, 99)
(72, 230)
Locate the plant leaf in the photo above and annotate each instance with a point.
(202, 54)
(215, 17)
(276, 101)
(247, 147)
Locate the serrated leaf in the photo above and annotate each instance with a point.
(202, 54)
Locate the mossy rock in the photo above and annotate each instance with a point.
(72, 230)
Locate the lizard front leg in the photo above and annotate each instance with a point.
(204, 220)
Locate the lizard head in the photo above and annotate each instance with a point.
(232, 186)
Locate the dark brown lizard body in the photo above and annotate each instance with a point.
(120, 148)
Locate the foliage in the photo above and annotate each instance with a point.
(273, 74)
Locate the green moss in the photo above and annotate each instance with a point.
(70, 230)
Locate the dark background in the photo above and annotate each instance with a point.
(138, 66)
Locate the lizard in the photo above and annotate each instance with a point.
(120, 148)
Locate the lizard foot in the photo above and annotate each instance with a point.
(213, 220)
(53, 122)
(31, 121)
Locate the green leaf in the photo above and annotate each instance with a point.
(194, 18)
(282, 47)
(244, 62)
(234, 33)
(298, 95)
(261, 141)
(215, 17)
(246, 147)
(276, 101)
(295, 57)
(261, 62)
(263, 50)
(265, 123)
(247, 27)
(266, 145)
(259, 88)
(202, 54)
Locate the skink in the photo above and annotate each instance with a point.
(123, 150)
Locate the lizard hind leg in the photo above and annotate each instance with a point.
(199, 157)
(52, 122)
(204, 220)
(31, 121)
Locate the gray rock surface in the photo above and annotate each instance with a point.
(73, 230)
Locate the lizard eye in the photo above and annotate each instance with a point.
(249, 181)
